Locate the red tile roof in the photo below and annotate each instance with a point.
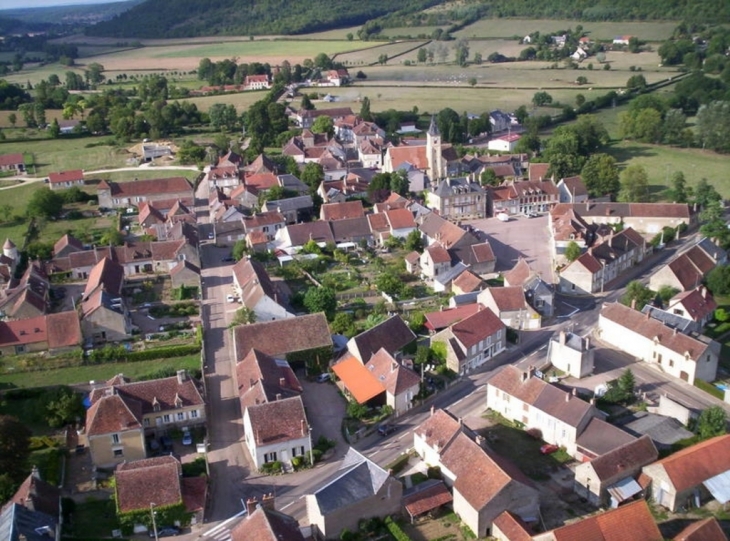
(630, 522)
(507, 298)
(427, 499)
(512, 527)
(194, 492)
(11, 159)
(438, 254)
(37, 495)
(477, 327)
(636, 453)
(694, 465)
(66, 176)
(575, 186)
(64, 329)
(538, 171)
(57, 330)
(698, 302)
(392, 375)
(400, 218)
(107, 275)
(482, 252)
(267, 525)
(261, 378)
(341, 211)
(652, 329)
(519, 274)
(438, 429)
(392, 335)
(158, 186)
(467, 282)
(112, 414)
(436, 321)
(149, 480)
(417, 156)
(278, 421)
(702, 530)
(282, 336)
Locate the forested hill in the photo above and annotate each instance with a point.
(186, 18)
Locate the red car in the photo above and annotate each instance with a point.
(548, 449)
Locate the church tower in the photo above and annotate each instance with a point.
(433, 152)
(10, 250)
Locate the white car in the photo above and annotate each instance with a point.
(230, 298)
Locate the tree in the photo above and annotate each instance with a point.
(600, 175)
(488, 178)
(94, 73)
(223, 116)
(541, 98)
(189, 153)
(324, 124)
(634, 44)
(312, 175)
(711, 422)
(365, 113)
(306, 104)
(636, 82)
(321, 299)
(414, 242)
(675, 126)
(462, 52)
(63, 406)
(713, 126)
(112, 237)
(45, 203)
(344, 323)
(638, 292)
(477, 58)
(634, 185)
(239, 249)
(679, 192)
(55, 130)
(580, 99)
(7, 211)
(422, 55)
(383, 59)
(389, 283)
(243, 316)
(14, 447)
(718, 280)
(572, 251)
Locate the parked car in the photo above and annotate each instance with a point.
(503, 217)
(548, 449)
(166, 443)
(386, 429)
(187, 438)
(324, 377)
(230, 298)
(167, 531)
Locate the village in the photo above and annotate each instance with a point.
(466, 293)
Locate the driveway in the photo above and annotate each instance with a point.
(520, 237)
(325, 410)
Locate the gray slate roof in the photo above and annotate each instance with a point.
(663, 430)
(17, 520)
(357, 479)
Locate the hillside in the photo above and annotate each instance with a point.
(187, 18)
(74, 15)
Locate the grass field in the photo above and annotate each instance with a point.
(413, 31)
(144, 174)
(100, 372)
(241, 100)
(63, 154)
(507, 28)
(662, 161)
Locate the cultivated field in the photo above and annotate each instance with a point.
(370, 55)
(413, 31)
(507, 28)
(187, 56)
(241, 100)
(62, 154)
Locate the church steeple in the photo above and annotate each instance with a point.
(433, 151)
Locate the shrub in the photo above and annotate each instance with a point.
(196, 468)
(395, 530)
(272, 467)
(398, 464)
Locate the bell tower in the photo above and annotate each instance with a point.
(433, 152)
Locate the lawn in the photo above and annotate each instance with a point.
(241, 100)
(72, 153)
(372, 53)
(662, 161)
(100, 372)
(507, 28)
(412, 31)
(94, 519)
(145, 174)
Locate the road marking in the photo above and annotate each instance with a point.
(222, 525)
(292, 503)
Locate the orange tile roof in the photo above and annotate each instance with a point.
(512, 526)
(630, 522)
(702, 530)
(692, 466)
(427, 499)
(443, 318)
(66, 176)
(358, 380)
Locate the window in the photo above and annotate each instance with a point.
(146, 422)
(118, 453)
(297, 451)
(671, 363)
(270, 457)
(20, 349)
(115, 438)
(659, 358)
(180, 415)
(194, 414)
(499, 334)
(166, 418)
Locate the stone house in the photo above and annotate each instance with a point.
(522, 197)
(392, 335)
(54, 333)
(458, 199)
(510, 305)
(123, 413)
(572, 190)
(14, 163)
(130, 194)
(538, 293)
(691, 476)
(264, 523)
(472, 341)
(382, 381)
(610, 479)
(294, 209)
(257, 292)
(689, 269)
(572, 354)
(358, 490)
(484, 484)
(558, 416)
(434, 260)
(265, 222)
(650, 340)
(66, 179)
(104, 313)
(695, 308)
(274, 422)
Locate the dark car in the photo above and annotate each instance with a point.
(166, 443)
(385, 430)
(228, 259)
(167, 531)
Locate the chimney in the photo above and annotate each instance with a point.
(588, 206)
(461, 423)
(530, 371)
(35, 473)
(562, 338)
(278, 396)
(480, 441)
(592, 401)
(567, 397)
(525, 376)
(268, 501)
(574, 392)
(587, 343)
(182, 376)
(282, 382)
(304, 427)
(433, 410)
(633, 304)
(674, 331)
(251, 505)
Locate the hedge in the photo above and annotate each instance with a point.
(398, 464)
(162, 353)
(395, 530)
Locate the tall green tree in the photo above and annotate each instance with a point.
(14, 447)
(634, 185)
(312, 175)
(572, 251)
(712, 422)
(637, 293)
(321, 299)
(600, 175)
(324, 124)
(45, 203)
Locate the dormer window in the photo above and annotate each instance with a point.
(178, 401)
(155, 404)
